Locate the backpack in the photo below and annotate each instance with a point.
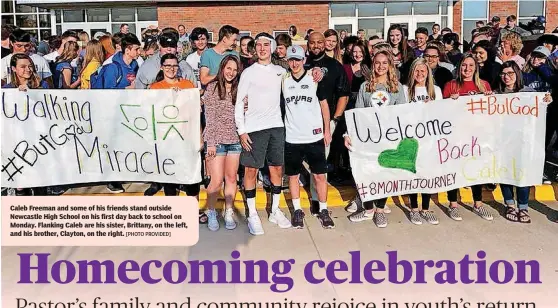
(97, 78)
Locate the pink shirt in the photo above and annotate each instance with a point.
(220, 126)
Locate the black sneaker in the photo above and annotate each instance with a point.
(152, 190)
(298, 219)
(325, 219)
(24, 192)
(56, 190)
(314, 208)
(206, 181)
(115, 188)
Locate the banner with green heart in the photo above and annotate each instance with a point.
(404, 157)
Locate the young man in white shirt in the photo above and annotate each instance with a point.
(199, 37)
(68, 36)
(307, 127)
(261, 130)
(20, 41)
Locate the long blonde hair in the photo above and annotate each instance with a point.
(70, 52)
(93, 52)
(337, 55)
(476, 77)
(429, 79)
(392, 81)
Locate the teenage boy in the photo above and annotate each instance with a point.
(279, 57)
(421, 37)
(261, 129)
(199, 37)
(20, 42)
(67, 36)
(212, 57)
(308, 133)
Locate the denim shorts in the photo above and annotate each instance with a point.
(225, 149)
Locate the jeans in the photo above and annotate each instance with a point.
(522, 195)
(477, 193)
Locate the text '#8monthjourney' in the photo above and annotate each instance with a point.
(443, 145)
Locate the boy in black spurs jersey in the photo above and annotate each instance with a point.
(308, 132)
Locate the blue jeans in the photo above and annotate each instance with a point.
(522, 195)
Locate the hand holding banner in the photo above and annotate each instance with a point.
(448, 144)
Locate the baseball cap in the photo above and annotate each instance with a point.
(168, 40)
(542, 50)
(496, 19)
(295, 52)
(98, 35)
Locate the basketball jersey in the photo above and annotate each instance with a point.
(303, 115)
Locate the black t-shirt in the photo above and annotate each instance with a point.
(5, 52)
(335, 83)
(442, 76)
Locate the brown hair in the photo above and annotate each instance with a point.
(476, 77)
(69, 53)
(392, 80)
(221, 82)
(337, 55)
(106, 42)
(35, 80)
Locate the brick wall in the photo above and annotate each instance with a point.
(551, 15)
(502, 9)
(246, 16)
(457, 8)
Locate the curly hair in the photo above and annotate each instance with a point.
(515, 41)
(392, 80)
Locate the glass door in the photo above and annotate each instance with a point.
(411, 23)
(91, 28)
(347, 24)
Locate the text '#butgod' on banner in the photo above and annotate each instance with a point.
(448, 144)
(53, 137)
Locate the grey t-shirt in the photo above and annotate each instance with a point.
(380, 97)
(148, 71)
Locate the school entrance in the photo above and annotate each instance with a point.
(376, 17)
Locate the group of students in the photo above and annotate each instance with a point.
(273, 105)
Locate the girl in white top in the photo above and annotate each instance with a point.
(421, 89)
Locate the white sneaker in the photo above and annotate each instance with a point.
(255, 225)
(212, 221)
(387, 210)
(352, 207)
(230, 224)
(278, 217)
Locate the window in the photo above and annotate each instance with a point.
(74, 15)
(371, 9)
(372, 27)
(526, 10)
(123, 15)
(473, 11)
(25, 9)
(277, 32)
(97, 15)
(116, 28)
(399, 8)
(343, 10)
(210, 38)
(426, 8)
(244, 33)
(26, 21)
(147, 14)
(7, 7)
(44, 21)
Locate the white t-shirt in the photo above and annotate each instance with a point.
(303, 115)
(262, 85)
(421, 95)
(51, 57)
(193, 60)
(41, 66)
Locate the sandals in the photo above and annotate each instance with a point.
(511, 214)
(524, 217)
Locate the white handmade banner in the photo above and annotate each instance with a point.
(52, 137)
(447, 144)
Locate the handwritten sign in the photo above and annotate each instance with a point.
(447, 144)
(53, 137)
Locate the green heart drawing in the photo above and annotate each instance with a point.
(404, 157)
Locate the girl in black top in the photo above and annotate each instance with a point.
(485, 55)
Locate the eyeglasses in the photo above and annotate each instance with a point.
(431, 56)
(509, 74)
(169, 67)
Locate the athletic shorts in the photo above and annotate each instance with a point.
(312, 153)
(267, 145)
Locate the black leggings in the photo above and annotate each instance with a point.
(380, 203)
(425, 201)
(477, 193)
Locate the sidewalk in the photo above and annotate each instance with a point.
(337, 196)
